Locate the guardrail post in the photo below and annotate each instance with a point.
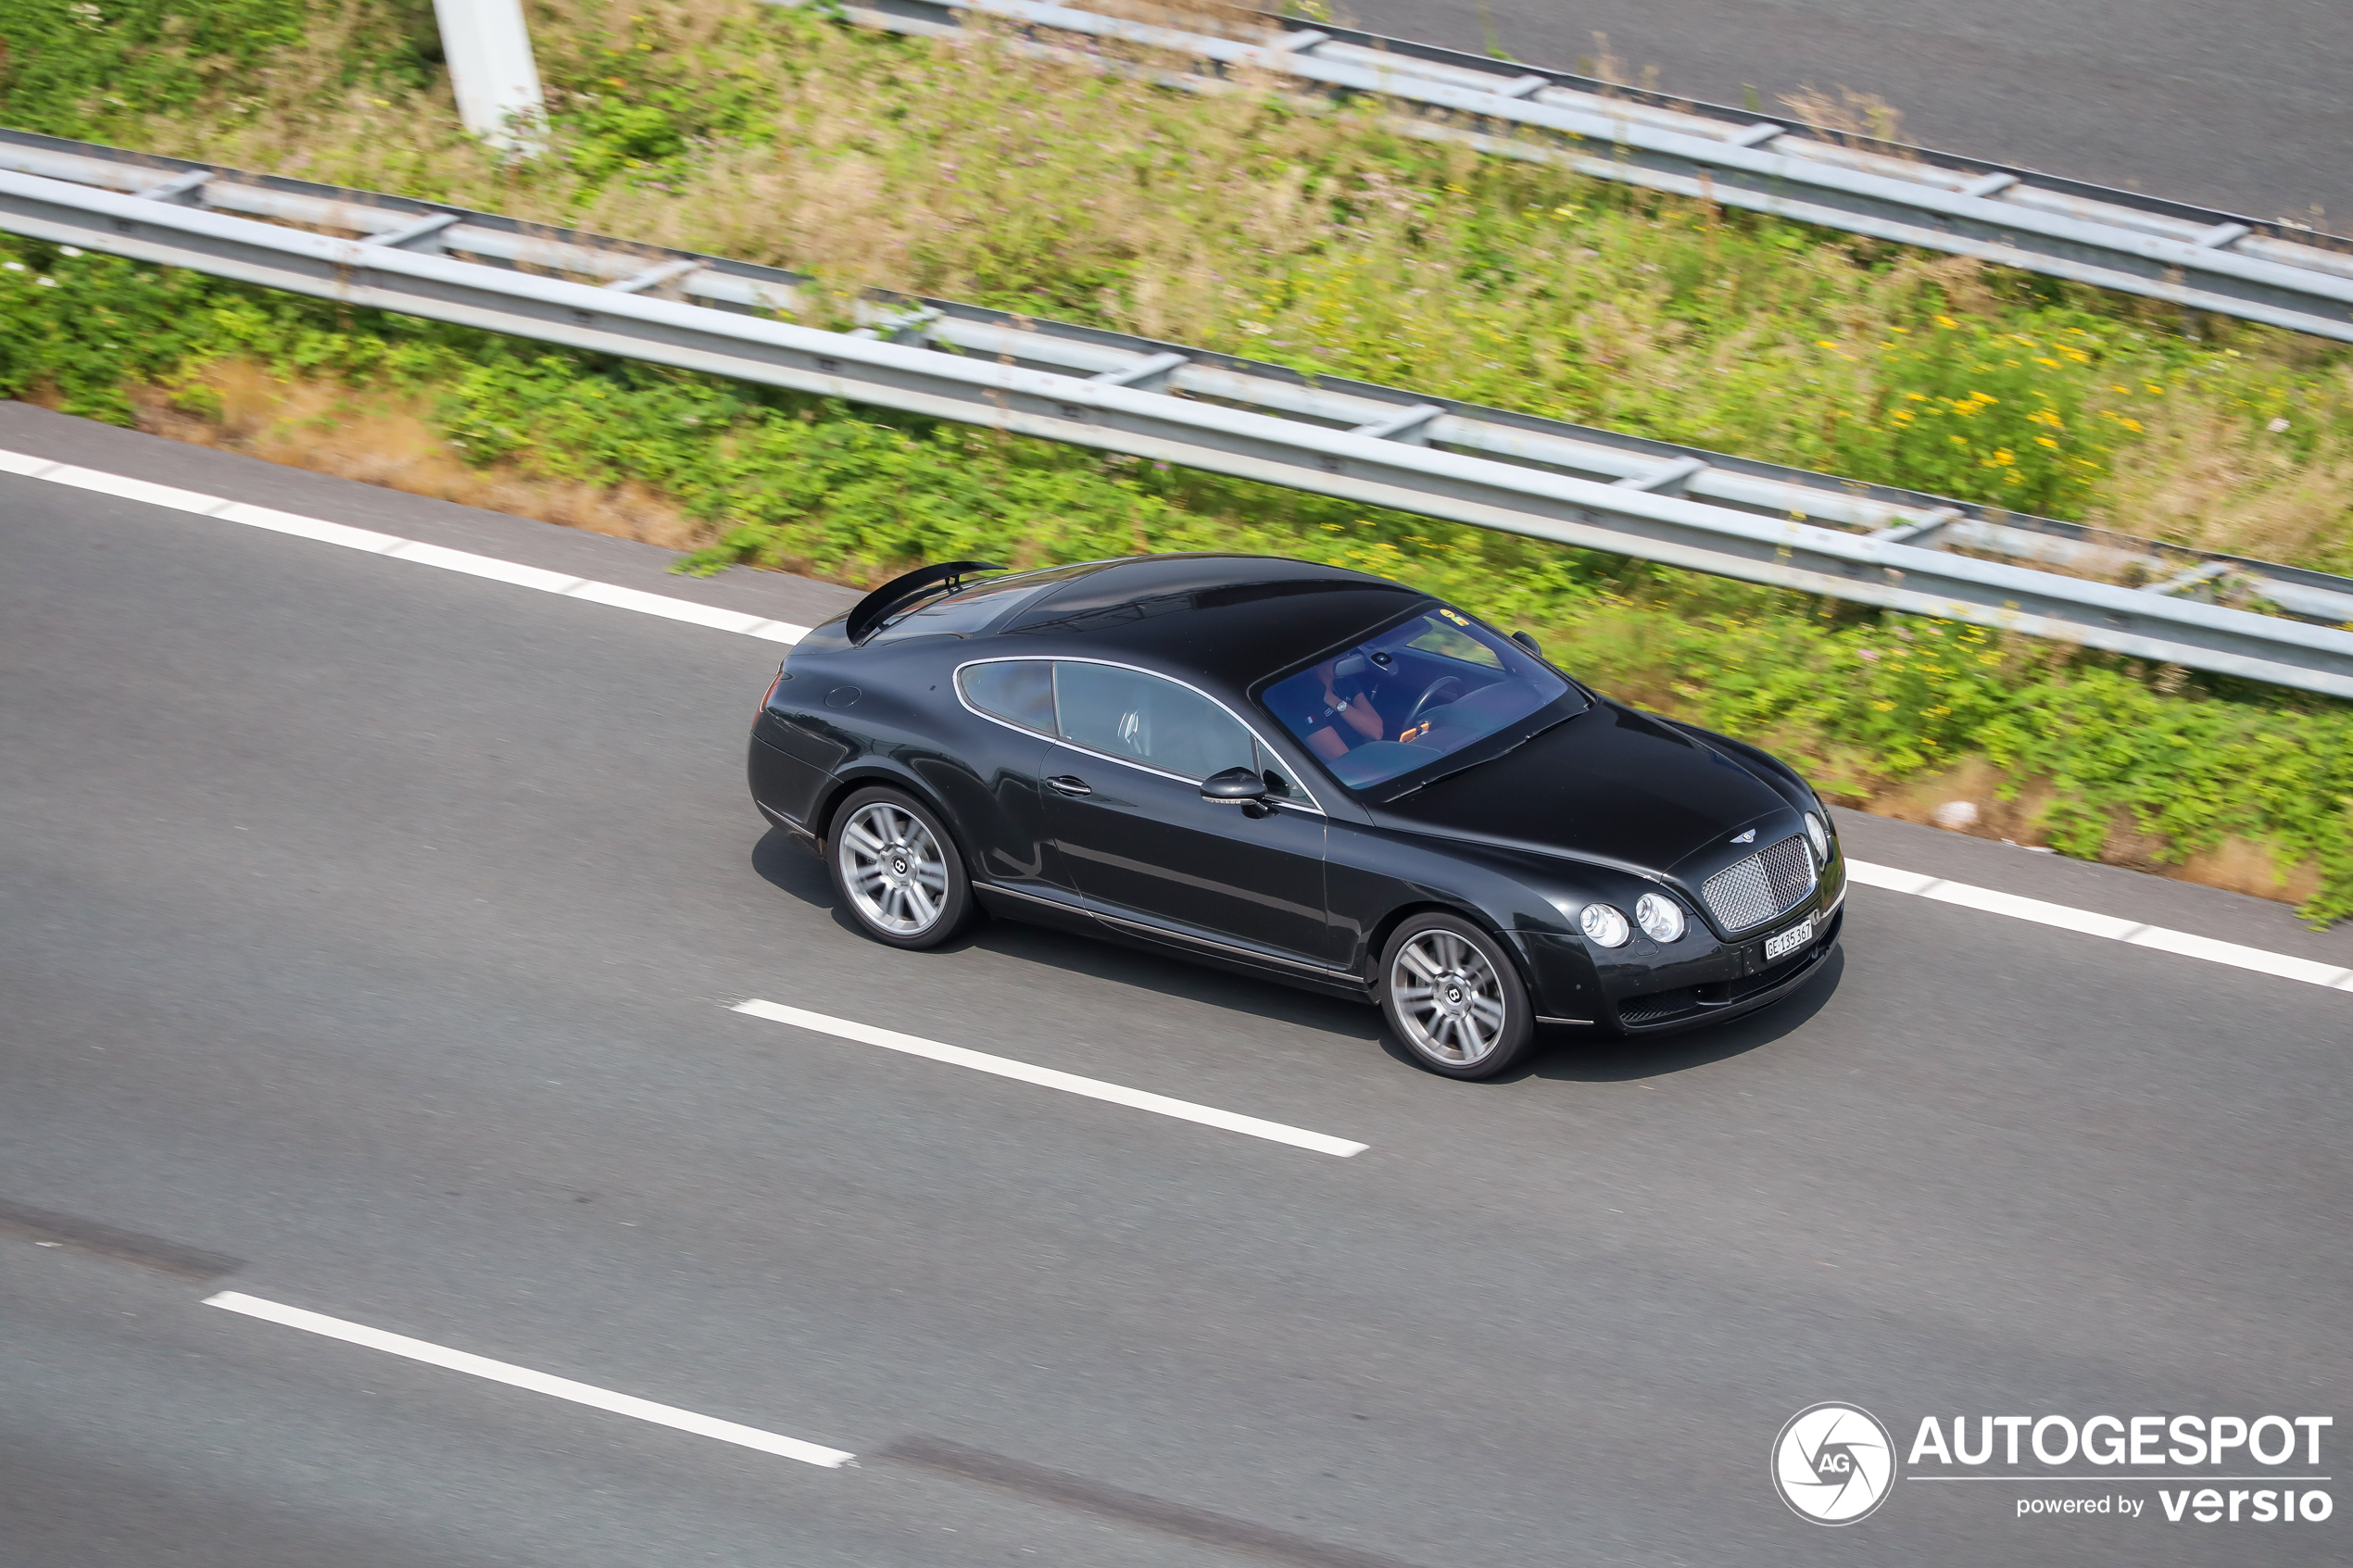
(488, 48)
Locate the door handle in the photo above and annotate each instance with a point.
(1068, 783)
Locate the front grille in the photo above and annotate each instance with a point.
(1757, 889)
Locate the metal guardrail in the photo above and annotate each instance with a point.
(2274, 272)
(1377, 446)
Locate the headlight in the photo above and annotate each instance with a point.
(1822, 839)
(1605, 927)
(1661, 919)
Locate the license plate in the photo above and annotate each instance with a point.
(1789, 941)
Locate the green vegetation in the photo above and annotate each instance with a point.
(88, 67)
(1319, 238)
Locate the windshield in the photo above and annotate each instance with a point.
(1395, 703)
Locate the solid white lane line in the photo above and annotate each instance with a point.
(1982, 899)
(412, 550)
(2130, 933)
(523, 1377)
(1046, 1077)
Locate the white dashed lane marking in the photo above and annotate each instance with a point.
(1049, 1078)
(414, 551)
(2132, 933)
(523, 1377)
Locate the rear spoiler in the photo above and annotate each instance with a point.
(870, 611)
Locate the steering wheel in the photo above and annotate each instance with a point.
(1438, 693)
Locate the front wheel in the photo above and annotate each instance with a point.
(1455, 999)
(898, 871)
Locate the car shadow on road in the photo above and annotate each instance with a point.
(788, 865)
(1562, 1056)
(1140, 969)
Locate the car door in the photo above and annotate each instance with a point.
(1124, 808)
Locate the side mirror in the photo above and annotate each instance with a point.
(1530, 643)
(1235, 786)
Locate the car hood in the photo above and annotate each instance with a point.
(1609, 784)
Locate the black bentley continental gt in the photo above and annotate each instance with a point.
(1303, 773)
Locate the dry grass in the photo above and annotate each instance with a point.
(2241, 865)
(1854, 118)
(381, 437)
(2212, 479)
(1210, 17)
(2236, 865)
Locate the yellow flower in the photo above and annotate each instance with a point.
(1946, 321)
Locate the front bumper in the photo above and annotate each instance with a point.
(1687, 1007)
(1645, 989)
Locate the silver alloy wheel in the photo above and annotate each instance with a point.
(1448, 998)
(894, 869)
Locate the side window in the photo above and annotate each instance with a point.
(1019, 691)
(1159, 723)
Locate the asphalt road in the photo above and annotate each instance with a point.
(2237, 106)
(375, 928)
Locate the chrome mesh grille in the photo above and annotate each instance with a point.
(1754, 890)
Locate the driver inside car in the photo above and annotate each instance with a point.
(1347, 717)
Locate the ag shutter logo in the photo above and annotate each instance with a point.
(1834, 1464)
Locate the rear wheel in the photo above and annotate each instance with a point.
(1455, 999)
(898, 871)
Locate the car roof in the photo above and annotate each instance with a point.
(1231, 617)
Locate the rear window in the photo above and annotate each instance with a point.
(1414, 694)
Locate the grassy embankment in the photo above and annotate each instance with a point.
(1241, 223)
